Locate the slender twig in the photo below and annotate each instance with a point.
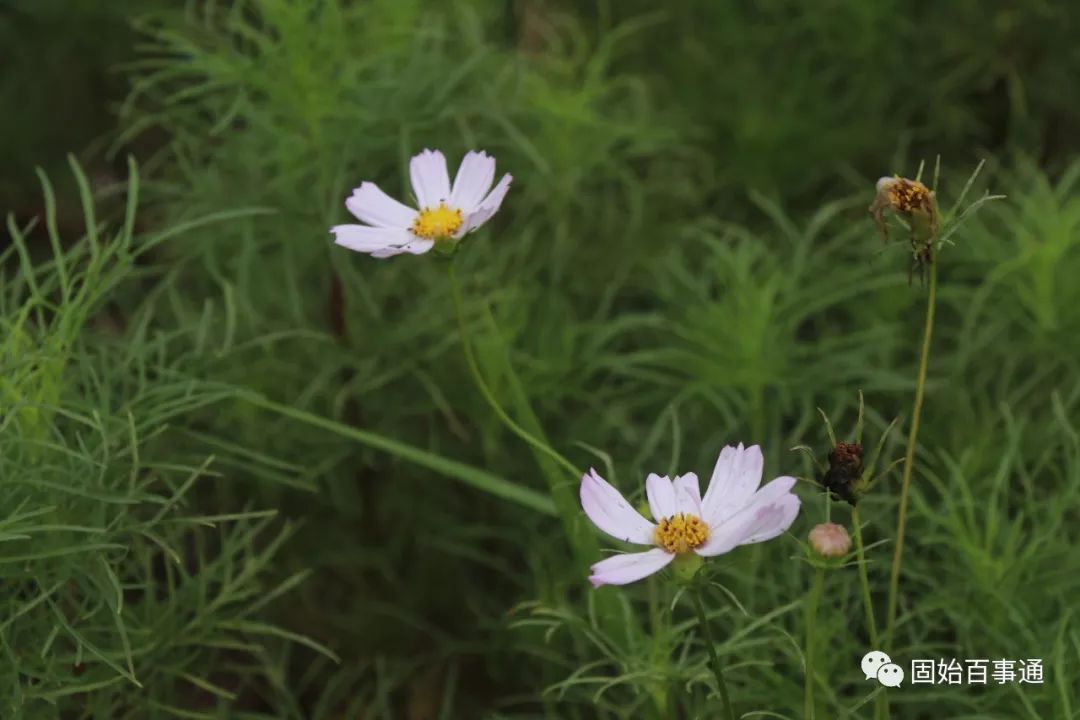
(475, 477)
(864, 579)
(481, 384)
(718, 669)
(811, 626)
(909, 458)
(881, 703)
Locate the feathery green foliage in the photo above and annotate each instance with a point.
(246, 473)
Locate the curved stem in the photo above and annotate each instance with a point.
(474, 370)
(811, 626)
(472, 476)
(909, 458)
(718, 670)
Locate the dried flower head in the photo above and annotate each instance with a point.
(844, 471)
(917, 204)
(830, 540)
(848, 471)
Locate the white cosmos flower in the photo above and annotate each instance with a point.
(734, 511)
(445, 212)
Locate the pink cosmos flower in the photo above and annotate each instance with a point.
(734, 511)
(446, 212)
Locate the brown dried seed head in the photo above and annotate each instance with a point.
(845, 469)
(846, 454)
(908, 196)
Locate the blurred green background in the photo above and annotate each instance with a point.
(685, 260)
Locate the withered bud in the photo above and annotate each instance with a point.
(909, 198)
(830, 540)
(845, 469)
(906, 196)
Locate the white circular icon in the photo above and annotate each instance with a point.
(890, 675)
(874, 661)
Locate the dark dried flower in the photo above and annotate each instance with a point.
(844, 471)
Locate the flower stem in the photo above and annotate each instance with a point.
(909, 458)
(811, 626)
(881, 706)
(718, 670)
(472, 476)
(552, 465)
(474, 370)
(864, 579)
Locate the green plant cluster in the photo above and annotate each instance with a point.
(245, 473)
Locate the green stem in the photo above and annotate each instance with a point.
(474, 370)
(718, 670)
(864, 579)
(909, 458)
(474, 477)
(552, 466)
(881, 705)
(811, 626)
(658, 654)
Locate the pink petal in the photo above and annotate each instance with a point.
(773, 490)
(688, 494)
(371, 205)
(626, 568)
(770, 513)
(610, 511)
(473, 180)
(735, 478)
(430, 180)
(782, 513)
(661, 496)
(731, 533)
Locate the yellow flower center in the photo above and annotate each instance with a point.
(909, 195)
(681, 533)
(437, 223)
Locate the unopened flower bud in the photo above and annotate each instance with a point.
(830, 540)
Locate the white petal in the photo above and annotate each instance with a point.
(610, 511)
(430, 180)
(884, 182)
(417, 246)
(473, 180)
(379, 242)
(371, 205)
(777, 520)
(688, 494)
(770, 512)
(623, 569)
(735, 478)
(369, 239)
(661, 495)
(772, 491)
(731, 533)
(487, 207)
